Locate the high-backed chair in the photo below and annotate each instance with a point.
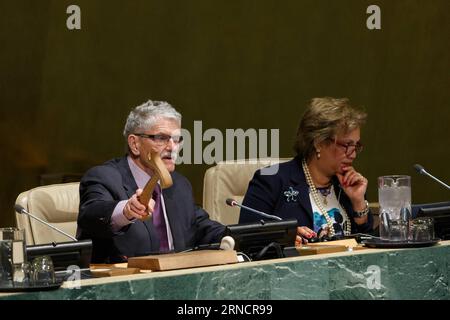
(229, 179)
(56, 204)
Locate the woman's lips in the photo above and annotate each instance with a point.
(346, 164)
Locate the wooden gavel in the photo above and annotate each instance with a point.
(160, 173)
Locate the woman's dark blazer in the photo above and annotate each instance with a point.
(274, 194)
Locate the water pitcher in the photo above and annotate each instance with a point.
(394, 197)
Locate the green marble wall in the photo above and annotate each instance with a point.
(421, 273)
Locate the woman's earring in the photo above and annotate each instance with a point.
(318, 154)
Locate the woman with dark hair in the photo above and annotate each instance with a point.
(319, 187)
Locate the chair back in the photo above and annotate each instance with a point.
(230, 179)
(57, 204)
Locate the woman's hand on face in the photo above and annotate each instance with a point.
(303, 234)
(354, 185)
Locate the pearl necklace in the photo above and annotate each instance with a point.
(315, 196)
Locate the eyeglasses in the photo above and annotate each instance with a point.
(349, 147)
(161, 139)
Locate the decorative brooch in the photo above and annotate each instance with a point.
(291, 195)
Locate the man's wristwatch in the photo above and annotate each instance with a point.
(363, 213)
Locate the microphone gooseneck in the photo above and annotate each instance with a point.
(422, 170)
(22, 210)
(226, 243)
(234, 203)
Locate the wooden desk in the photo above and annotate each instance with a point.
(420, 273)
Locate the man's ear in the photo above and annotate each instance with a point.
(133, 145)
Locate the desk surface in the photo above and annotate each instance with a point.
(420, 273)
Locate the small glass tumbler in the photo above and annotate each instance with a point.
(398, 230)
(43, 271)
(23, 275)
(421, 229)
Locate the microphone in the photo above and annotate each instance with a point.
(227, 243)
(422, 170)
(233, 203)
(22, 210)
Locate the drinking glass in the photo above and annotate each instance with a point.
(422, 229)
(43, 271)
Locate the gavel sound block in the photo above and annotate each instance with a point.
(160, 173)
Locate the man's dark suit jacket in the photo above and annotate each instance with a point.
(267, 194)
(102, 187)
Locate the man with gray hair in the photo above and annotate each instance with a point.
(110, 212)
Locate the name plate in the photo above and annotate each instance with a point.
(306, 250)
